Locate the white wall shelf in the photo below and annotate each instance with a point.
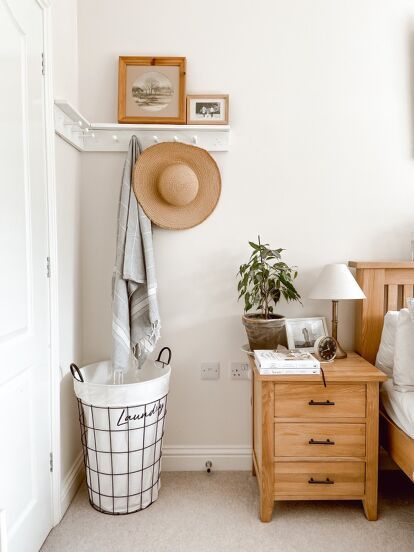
(85, 136)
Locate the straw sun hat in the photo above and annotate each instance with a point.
(176, 184)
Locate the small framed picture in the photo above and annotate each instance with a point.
(151, 90)
(208, 109)
(302, 333)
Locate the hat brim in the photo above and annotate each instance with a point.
(150, 165)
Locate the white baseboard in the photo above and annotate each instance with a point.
(237, 458)
(187, 458)
(174, 458)
(71, 483)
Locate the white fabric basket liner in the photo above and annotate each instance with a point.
(122, 428)
(149, 383)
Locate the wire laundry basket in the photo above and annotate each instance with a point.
(122, 442)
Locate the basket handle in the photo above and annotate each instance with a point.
(169, 356)
(76, 373)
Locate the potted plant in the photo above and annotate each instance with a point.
(263, 280)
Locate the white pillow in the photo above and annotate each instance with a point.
(385, 356)
(404, 353)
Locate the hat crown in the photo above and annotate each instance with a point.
(178, 184)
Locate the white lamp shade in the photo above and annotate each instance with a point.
(336, 283)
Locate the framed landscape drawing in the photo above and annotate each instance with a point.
(151, 90)
(208, 109)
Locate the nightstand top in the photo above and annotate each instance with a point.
(348, 370)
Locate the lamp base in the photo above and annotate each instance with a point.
(340, 353)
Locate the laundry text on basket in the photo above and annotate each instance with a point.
(125, 418)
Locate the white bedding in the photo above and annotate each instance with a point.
(385, 356)
(398, 406)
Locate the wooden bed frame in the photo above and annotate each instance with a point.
(387, 287)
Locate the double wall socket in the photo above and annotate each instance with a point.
(240, 371)
(210, 370)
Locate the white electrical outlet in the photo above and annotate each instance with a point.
(240, 371)
(210, 370)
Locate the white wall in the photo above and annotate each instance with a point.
(321, 163)
(70, 326)
(68, 181)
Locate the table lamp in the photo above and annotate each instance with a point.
(336, 283)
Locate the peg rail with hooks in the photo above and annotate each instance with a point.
(85, 136)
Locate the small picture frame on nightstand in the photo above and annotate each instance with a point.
(302, 333)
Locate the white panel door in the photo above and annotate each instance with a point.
(25, 444)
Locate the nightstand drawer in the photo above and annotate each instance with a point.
(320, 440)
(319, 479)
(301, 400)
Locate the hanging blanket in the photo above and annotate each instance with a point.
(135, 318)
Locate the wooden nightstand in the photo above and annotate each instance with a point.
(312, 442)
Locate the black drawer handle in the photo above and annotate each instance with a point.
(321, 403)
(326, 442)
(326, 481)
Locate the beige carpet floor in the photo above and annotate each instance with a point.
(197, 512)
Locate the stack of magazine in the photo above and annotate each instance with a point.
(286, 362)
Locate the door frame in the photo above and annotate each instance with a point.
(54, 355)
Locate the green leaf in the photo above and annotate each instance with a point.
(265, 278)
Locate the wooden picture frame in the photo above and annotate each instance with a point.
(151, 90)
(197, 103)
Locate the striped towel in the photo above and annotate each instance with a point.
(135, 318)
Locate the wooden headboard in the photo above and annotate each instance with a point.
(387, 286)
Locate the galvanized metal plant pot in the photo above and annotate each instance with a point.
(264, 333)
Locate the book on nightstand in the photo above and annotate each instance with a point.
(270, 362)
